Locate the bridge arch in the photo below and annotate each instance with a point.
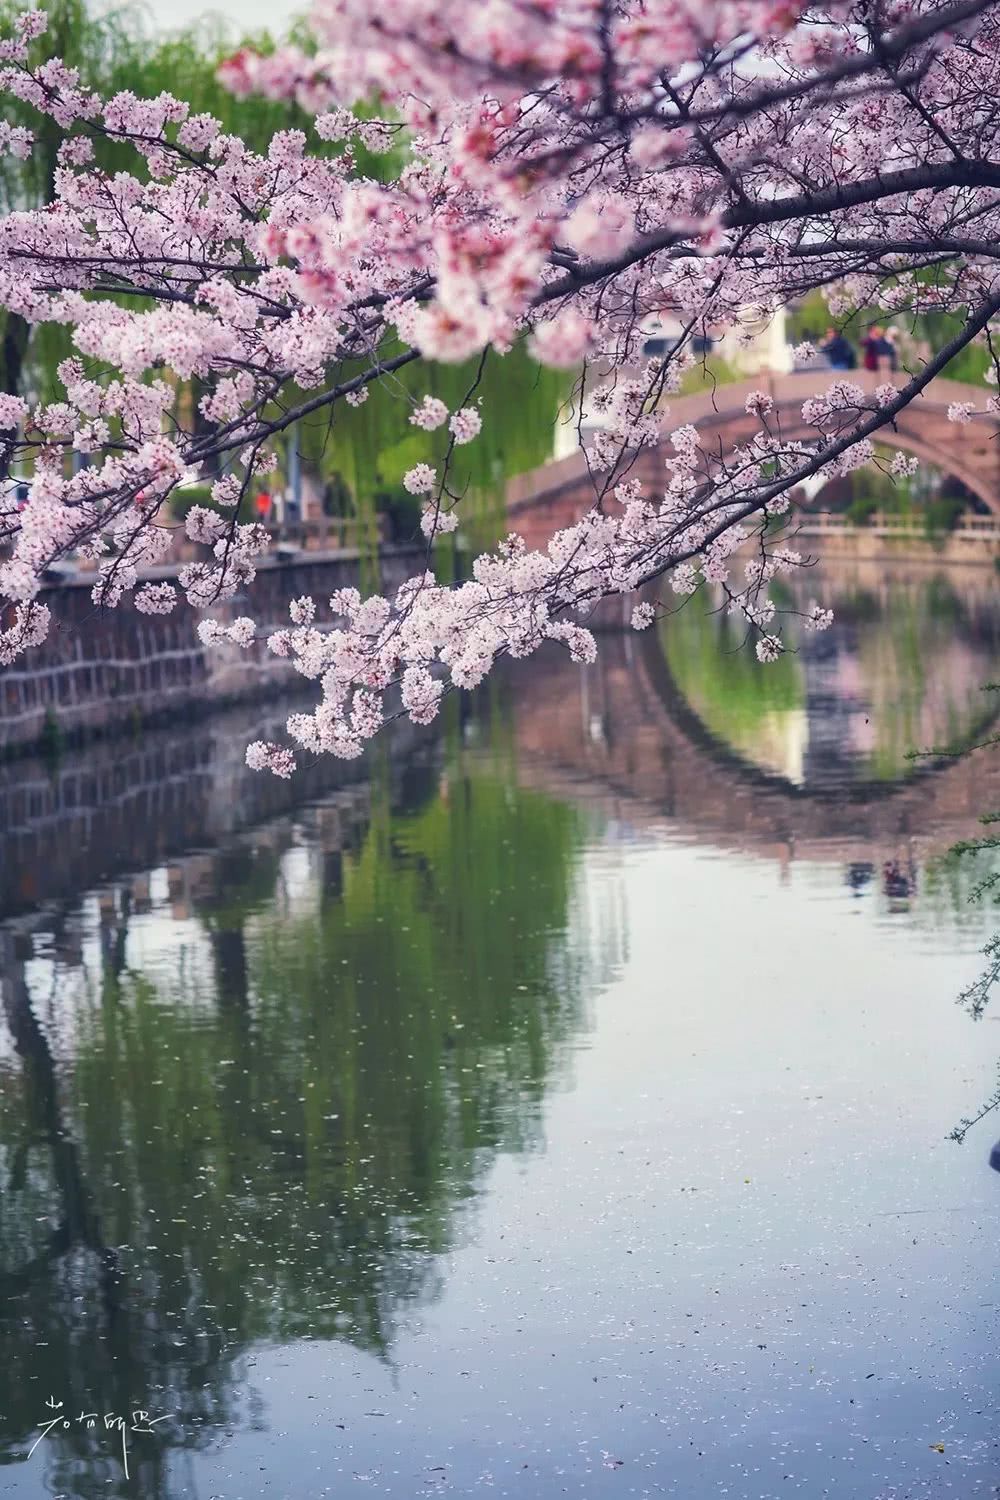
(969, 451)
(558, 493)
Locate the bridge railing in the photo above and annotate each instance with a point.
(816, 522)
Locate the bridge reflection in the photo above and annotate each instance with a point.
(684, 731)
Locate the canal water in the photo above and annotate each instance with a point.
(559, 1103)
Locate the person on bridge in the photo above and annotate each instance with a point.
(879, 352)
(838, 350)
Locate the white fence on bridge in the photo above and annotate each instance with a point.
(815, 523)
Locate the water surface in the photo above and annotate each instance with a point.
(557, 1104)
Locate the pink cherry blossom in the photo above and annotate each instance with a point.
(419, 480)
(465, 424)
(436, 522)
(564, 340)
(818, 618)
(769, 648)
(12, 411)
(431, 413)
(156, 598)
(262, 755)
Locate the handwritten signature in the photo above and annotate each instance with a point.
(140, 1422)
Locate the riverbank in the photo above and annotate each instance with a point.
(102, 672)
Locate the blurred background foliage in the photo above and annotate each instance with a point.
(354, 458)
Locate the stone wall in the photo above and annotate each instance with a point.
(101, 670)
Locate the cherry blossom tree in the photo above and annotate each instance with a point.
(573, 167)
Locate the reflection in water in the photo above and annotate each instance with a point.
(903, 669)
(269, 1080)
(441, 1099)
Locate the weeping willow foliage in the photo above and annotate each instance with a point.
(370, 447)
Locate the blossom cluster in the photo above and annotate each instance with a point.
(368, 655)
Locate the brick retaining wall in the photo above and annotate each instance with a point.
(104, 669)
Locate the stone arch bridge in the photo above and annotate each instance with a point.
(558, 493)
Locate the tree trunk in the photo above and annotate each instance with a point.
(16, 334)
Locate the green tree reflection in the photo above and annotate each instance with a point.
(270, 1128)
(749, 706)
(903, 667)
